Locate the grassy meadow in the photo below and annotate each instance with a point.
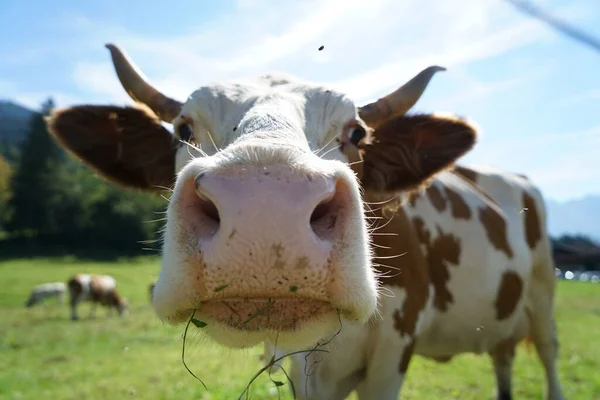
(45, 355)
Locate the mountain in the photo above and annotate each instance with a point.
(14, 121)
(580, 216)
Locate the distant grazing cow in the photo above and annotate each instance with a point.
(296, 214)
(97, 289)
(46, 290)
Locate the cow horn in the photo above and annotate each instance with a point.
(138, 88)
(399, 101)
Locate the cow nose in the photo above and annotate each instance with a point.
(273, 201)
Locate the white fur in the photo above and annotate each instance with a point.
(47, 290)
(279, 121)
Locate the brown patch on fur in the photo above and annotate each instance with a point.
(412, 198)
(126, 145)
(406, 151)
(107, 297)
(465, 172)
(75, 289)
(406, 268)
(435, 196)
(406, 356)
(444, 249)
(460, 209)
(532, 221)
(471, 177)
(509, 293)
(495, 228)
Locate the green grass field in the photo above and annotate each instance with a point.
(43, 355)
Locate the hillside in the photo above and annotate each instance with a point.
(580, 216)
(14, 121)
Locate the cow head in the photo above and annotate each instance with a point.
(120, 303)
(266, 235)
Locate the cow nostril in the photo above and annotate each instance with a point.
(206, 205)
(321, 210)
(324, 217)
(209, 209)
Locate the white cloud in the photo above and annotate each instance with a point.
(100, 80)
(370, 47)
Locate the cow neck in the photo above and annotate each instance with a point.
(400, 260)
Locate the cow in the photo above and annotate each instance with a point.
(96, 289)
(298, 219)
(44, 291)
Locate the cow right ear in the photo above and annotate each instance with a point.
(406, 151)
(126, 145)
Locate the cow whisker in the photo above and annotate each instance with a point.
(163, 187)
(148, 241)
(327, 152)
(381, 202)
(380, 246)
(389, 293)
(150, 221)
(197, 148)
(325, 146)
(384, 225)
(355, 162)
(212, 140)
(387, 266)
(387, 257)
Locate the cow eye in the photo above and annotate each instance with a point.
(357, 135)
(184, 131)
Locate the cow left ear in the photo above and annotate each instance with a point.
(127, 145)
(406, 151)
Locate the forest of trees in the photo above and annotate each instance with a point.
(51, 202)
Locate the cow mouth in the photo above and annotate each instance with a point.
(255, 315)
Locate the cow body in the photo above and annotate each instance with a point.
(46, 290)
(480, 283)
(96, 289)
(280, 229)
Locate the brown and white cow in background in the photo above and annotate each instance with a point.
(285, 224)
(97, 289)
(45, 291)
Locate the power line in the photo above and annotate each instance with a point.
(561, 26)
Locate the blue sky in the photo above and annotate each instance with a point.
(534, 93)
